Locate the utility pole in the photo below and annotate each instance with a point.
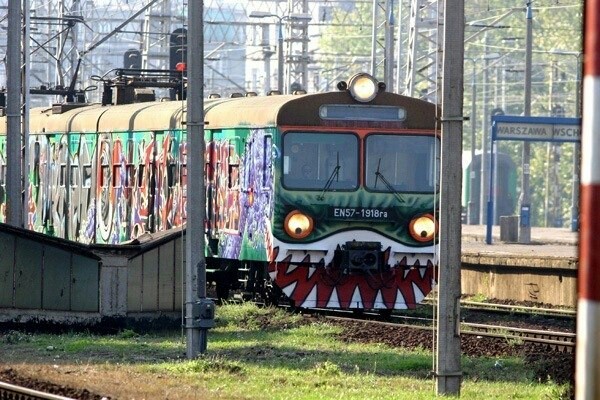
(448, 370)
(485, 153)
(525, 214)
(199, 311)
(14, 189)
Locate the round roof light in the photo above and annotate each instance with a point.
(363, 87)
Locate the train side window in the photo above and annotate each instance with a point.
(116, 178)
(140, 176)
(36, 165)
(267, 143)
(2, 174)
(87, 176)
(249, 165)
(171, 174)
(74, 175)
(63, 175)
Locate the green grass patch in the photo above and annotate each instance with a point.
(264, 353)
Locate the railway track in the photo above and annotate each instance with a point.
(13, 392)
(556, 340)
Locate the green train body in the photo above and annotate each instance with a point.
(326, 199)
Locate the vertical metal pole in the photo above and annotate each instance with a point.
(448, 370)
(25, 126)
(472, 217)
(280, 70)
(374, 40)
(388, 72)
(267, 53)
(14, 200)
(400, 87)
(198, 311)
(587, 364)
(576, 157)
(525, 214)
(485, 180)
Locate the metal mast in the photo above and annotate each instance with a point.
(297, 49)
(157, 27)
(425, 49)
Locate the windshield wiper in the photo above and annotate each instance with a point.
(391, 188)
(335, 174)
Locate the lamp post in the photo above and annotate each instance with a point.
(280, 19)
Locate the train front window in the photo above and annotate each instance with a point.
(320, 161)
(401, 163)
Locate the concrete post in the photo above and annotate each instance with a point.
(448, 370)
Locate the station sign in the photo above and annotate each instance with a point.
(544, 129)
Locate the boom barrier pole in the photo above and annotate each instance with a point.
(587, 367)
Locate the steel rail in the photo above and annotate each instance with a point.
(9, 391)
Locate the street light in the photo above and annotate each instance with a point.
(280, 19)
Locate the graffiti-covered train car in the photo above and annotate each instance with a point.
(329, 198)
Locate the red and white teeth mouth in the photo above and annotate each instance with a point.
(310, 286)
(356, 301)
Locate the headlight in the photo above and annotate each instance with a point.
(363, 87)
(423, 228)
(298, 225)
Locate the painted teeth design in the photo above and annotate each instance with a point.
(379, 303)
(400, 302)
(310, 284)
(311, 299)
(419, 296)
(334, 301)
(356, 301)
(288, 290)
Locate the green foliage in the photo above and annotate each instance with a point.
(253, 318)
(345, 44)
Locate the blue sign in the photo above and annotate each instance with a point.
(541, 129)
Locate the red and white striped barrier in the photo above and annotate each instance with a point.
(587, 368)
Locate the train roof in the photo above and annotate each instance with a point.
(303, 110)
(289, 110)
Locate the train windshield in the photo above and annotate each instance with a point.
(401, 163)
(320, 161)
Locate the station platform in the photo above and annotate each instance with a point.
(545, 243)
(543, 271)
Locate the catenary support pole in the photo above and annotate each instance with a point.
(587, 366)
(14, 200)
(448, 371)
(525, 212)
(199, 311)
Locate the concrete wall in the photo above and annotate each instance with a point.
(553, 283)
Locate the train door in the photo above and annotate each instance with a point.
(59, 207)
(104, 195)
(82, 181)
(166, 179)
(141, 195)
(37, 207)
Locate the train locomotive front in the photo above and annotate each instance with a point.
(340, 199)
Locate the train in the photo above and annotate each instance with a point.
(505, 186)
(326, 199)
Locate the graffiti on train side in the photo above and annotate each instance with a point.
(111, 188)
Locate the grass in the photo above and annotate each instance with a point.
(257, 354)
